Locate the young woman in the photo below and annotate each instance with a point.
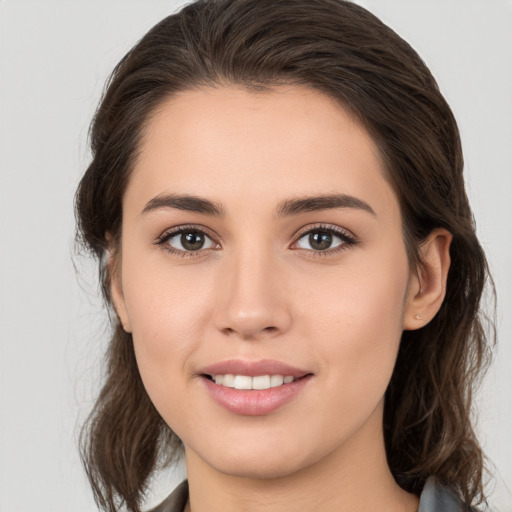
(277, 204)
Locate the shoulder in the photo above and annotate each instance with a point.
(176, 501)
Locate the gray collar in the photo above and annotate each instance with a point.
(434, 498)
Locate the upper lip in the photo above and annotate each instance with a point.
(253, 368)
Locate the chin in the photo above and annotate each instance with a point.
(258, 469)
(260, 460)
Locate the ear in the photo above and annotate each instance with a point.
(427, 285)
(116, 289)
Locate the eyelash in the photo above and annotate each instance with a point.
(167, 235)
(346, 237)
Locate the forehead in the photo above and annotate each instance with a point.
(229, 141)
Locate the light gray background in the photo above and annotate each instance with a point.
(54, 58)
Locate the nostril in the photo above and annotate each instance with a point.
(249, 334)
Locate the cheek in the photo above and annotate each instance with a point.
(167, 311)
(357, 322)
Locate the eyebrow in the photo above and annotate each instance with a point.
(185, 202)
(285, 209)
(318, 203)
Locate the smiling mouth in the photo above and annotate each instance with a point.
(258, 382)
(253, 388)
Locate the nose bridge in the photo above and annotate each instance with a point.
(252, 294)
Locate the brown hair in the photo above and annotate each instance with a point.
(344, 51)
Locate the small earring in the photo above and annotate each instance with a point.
(418, 317)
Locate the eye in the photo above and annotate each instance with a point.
(324, 239)
(186, 240)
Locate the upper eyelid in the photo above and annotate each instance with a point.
(303, 230)
(327, 227)
(190, 227)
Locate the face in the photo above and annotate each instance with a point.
(264, 278)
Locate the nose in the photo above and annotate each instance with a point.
(252, 300)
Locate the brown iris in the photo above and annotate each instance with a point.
(320, 240)
(192, 240)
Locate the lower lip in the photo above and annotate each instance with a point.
(254, 402)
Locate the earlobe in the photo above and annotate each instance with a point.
(427, 287)
(116, 291)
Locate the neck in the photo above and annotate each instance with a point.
(354, 477)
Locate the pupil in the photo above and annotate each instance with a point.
(192, 241)
(320, 240)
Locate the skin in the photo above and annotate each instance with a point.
(259, 290)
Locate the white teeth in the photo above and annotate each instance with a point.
(246, 382)
(276, 380)
(261, 382)
(228, 380)
(243, 382)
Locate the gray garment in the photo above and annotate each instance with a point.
(176, 501)
(434, 498)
